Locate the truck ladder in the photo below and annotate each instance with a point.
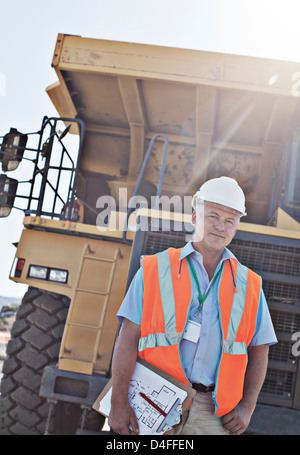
(81, 338)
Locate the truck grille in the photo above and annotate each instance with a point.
(280, 383)
(286, 322)
(159, 241)
(277, 260)
(287, 293)
(269, 258)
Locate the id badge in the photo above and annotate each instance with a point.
(192, 331)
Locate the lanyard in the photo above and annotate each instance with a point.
(202, 299)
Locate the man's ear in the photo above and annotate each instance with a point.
(194, 218)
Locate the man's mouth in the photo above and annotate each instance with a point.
(217, 235)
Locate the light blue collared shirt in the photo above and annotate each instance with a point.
(200, 359)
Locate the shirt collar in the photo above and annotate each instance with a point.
(189, 249)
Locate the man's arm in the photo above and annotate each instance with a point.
(123, 363)
(239, 418)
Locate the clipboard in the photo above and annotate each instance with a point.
(176, 406)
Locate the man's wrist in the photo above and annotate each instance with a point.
(248, 403)
(119, 396)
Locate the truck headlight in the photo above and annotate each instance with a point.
(12, 149)
(48, 273)
(35, 271)
(61, 276)
(8, 189)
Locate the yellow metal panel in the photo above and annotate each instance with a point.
(282, 220)
(92, 304)
(49, 250)
(77, 365)
(269, 230)
(61, 103)
(113, 230)
(247, 227)
(97, 276)
(158, 62)
(115, 149)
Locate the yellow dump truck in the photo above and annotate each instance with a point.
(145, 127)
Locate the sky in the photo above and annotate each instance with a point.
(28, 32)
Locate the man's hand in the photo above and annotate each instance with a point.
(237, 421)
(121, 417)
(123, 363)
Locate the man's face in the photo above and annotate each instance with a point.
(217, 224)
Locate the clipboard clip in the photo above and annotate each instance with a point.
(172, 418)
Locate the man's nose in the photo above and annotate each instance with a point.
(220, 224)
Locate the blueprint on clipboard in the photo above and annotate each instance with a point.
(163, 393)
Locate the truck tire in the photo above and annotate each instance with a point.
(34, 344)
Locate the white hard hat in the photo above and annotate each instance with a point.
(224, 191)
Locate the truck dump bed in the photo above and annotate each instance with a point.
(223, 115)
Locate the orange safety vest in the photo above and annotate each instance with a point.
(167, 298)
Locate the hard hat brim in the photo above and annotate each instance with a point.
(219, 203)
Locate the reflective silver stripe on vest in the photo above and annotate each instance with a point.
(230, 346)
(170, 336)
(158, 339)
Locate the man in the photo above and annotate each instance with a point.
(198, 314)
